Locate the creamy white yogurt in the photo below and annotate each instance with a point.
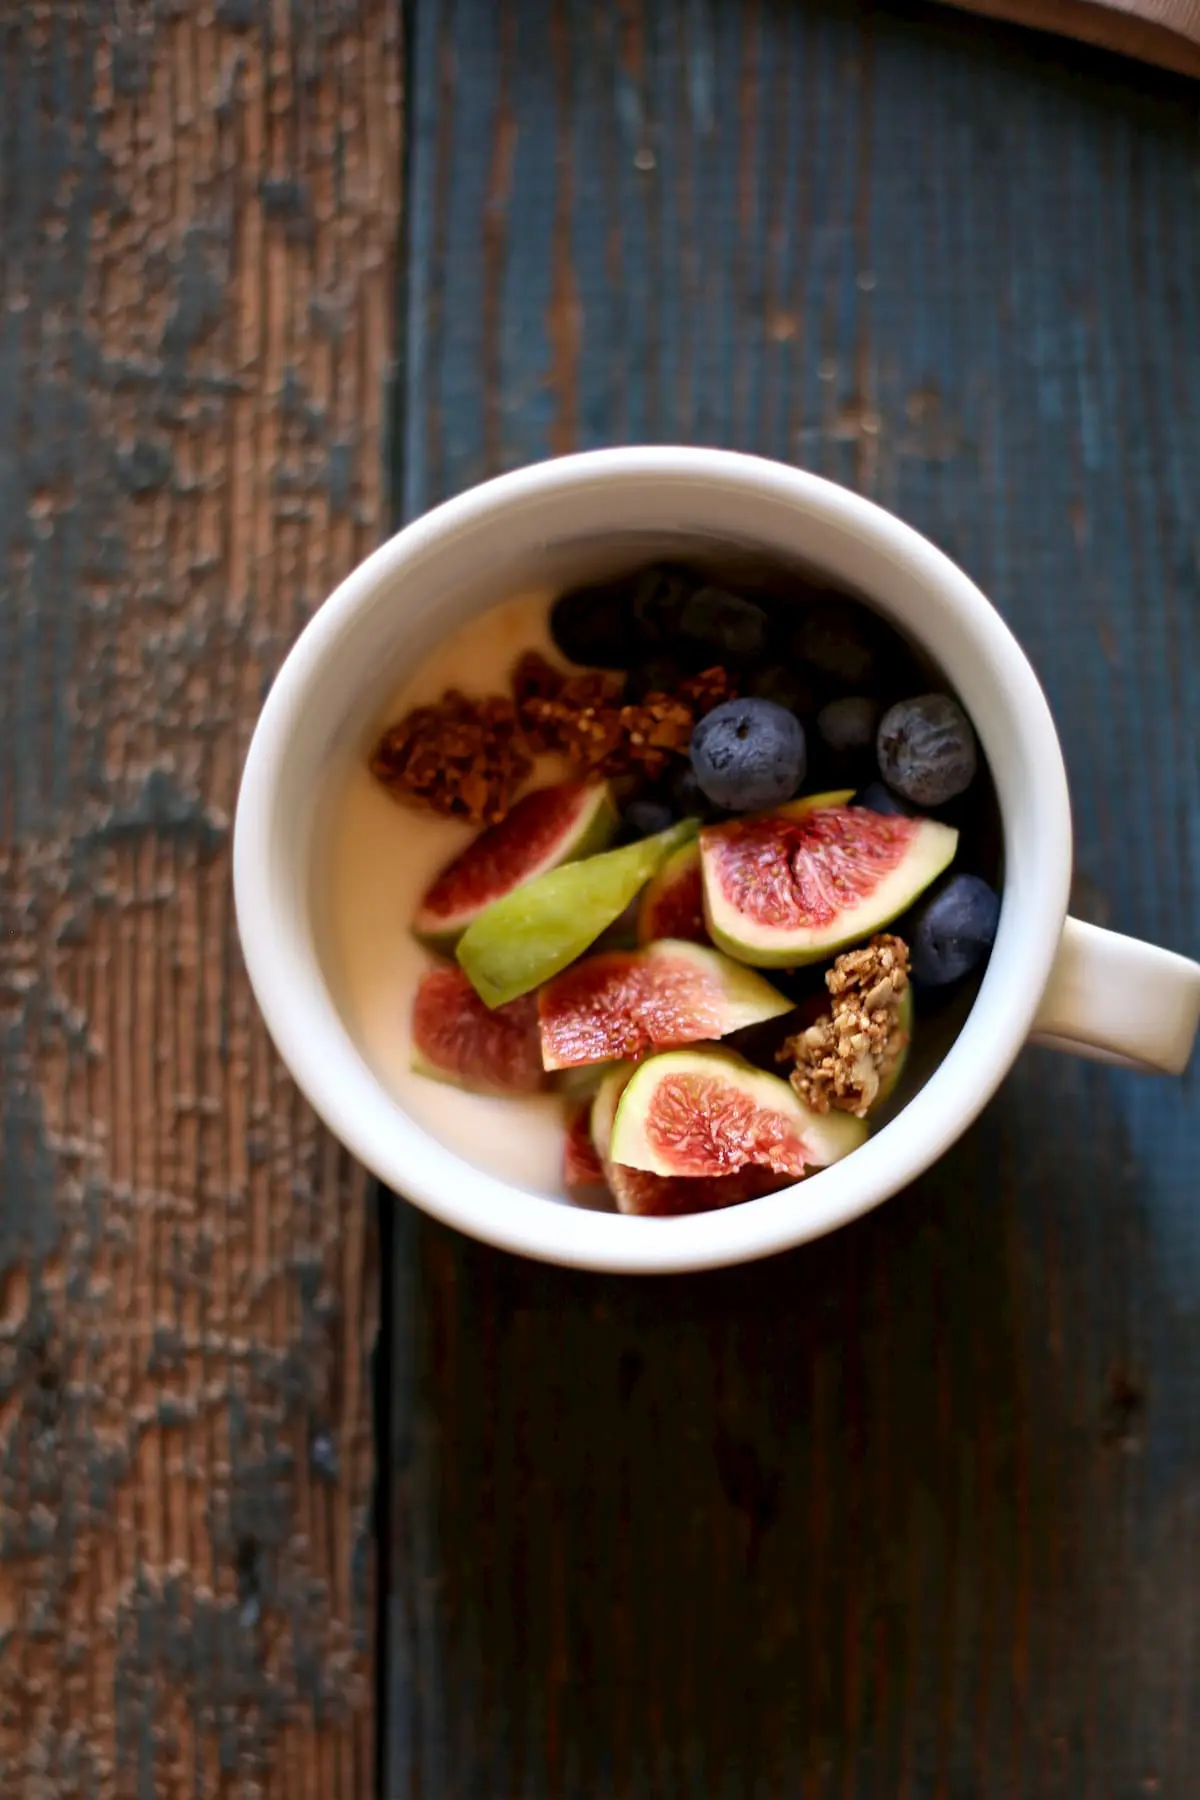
(383, 855)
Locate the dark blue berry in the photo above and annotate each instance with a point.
(659, 596)
(685, 794)
(644, 817)
(926, 749)
(719, 627)
(953, 930)
(839, 640)
(848, 724)
(594, 626)
(878, 799)
(749, 754)
(787, 687)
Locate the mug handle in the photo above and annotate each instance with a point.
(1117, 1000)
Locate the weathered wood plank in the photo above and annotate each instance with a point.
(198, 213)
(912, 1512)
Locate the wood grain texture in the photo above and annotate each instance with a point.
(198, 209)
(915, 1512)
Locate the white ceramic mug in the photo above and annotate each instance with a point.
(1050, 978)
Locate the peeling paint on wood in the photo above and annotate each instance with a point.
(198, 216)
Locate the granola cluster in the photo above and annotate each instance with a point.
(584, 718)
(464, 758)
(842, 1060)
(467, 757)
(575, 716)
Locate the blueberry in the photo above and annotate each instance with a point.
(659, 596)
(685, 794)
(749, 754)
(658, 676)
(848, 724)
(953, 930)
(645, 817)
(594, 626)
(926, 749)
(840, 641)
(878, 799)
(787, 687)
(719, 627)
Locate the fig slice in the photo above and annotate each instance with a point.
(709, 1112)
(639, 1193)
(613, 1083)
(624, 1003)
(798, 885)
(647, 1196)
(456, 1038)
(526, 937)
(579, 1082)
(546, 827)
(583, 1174)
(673, 903)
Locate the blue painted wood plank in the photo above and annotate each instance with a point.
(914, 1511)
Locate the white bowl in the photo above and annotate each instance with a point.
(548, 526)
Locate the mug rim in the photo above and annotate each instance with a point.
(314, 1043)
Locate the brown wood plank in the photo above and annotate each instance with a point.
(198, 215)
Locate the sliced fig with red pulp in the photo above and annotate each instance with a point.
(647, 1196)
(639, 1193)
(709, 1112)
(624, 1003)
(672, 905)
(549, 826)
(579, 1083)
(797, 885)
(583, 1172)
(456, 1038)
(613, 1083)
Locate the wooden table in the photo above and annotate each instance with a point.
(914, 1512)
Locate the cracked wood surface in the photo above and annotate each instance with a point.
(198, 214)
(913, 1514)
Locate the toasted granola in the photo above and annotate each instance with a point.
(535, 677)
(572, 715)
(842, 1060)
(463, 757)
(467, 757)
(711, 687)
(581, 716)
(650, 732)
